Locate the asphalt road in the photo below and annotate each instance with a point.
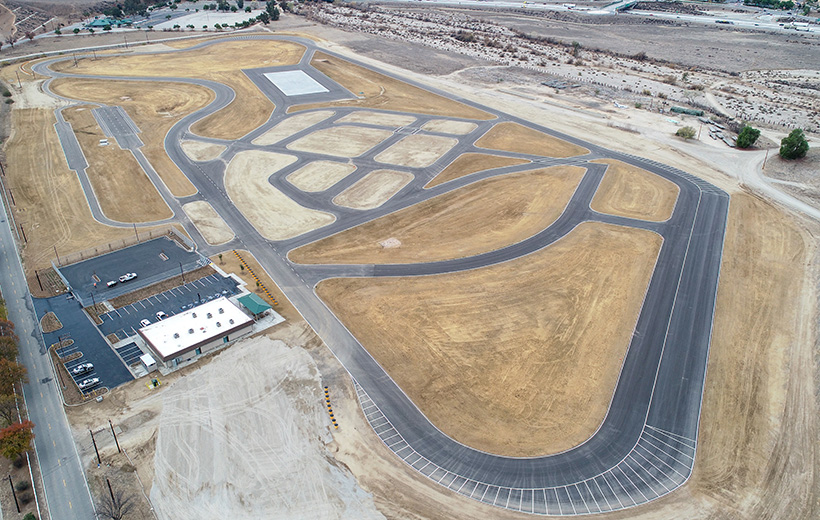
(646, 446)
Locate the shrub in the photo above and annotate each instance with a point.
(19, 462)
(6, 93)
(647, 92)
(638, 105)
(29, 516)
(25, 498)
(22, 485)
(687, 132)
(747, 137)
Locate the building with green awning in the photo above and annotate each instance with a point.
(256, 305)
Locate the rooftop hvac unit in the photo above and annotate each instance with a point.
(221, 310)
(210, 315)
(230, 321)
(218, 324)
(193, 315)
(190, 331)
(176, 335)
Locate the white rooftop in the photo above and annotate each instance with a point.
(295, 83)
(182, 331)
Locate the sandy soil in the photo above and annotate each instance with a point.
(271, 212)
(49, 201)
(290, 126)
(376, 90)
(220, 451)
(471, 163)
(417, 151)
(377, 118)
(373, 190)
(154, 108)
(202, 151)
(633, 192)
(512, 137)
(518, 359)
(125, 193)
(465, 222)
(32, 96)
(208, 222)
(320, 175)
(446, 126)
(341, 141)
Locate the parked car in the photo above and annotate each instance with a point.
(112, 283)
(144, 323)
(161, 315)
(128, 276)
(82, 368)
(88, 383)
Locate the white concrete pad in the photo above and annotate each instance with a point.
(295, 83)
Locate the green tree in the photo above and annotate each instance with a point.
(76, 31)
(240, 3)
(687, 132)
(264, 17)
(8, 348)
(794, 146)
(747, 137)
(16, 439)
(11, 373)
(8, 408)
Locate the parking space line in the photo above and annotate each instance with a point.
(166, 297)
(126, 311)
(143, 305)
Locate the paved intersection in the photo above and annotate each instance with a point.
(646, 446)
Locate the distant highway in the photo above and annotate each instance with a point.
(645, 447)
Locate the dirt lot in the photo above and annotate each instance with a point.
(373, 190)
(471, 163)
(377, 118)
(376, 90)
(449, 127)
(125, 192)
(465, 222)
(201, 151)
(290, 126)
(154, 108)
(417, 151)
(208, 222)
(320, 175)
(633, 192)
(512, 137)
(341, 141)
(49, 201)
(271, 212)
(506, 359)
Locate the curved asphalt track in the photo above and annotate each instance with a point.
(645, 447)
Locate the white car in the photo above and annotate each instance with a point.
(144, 323)
(88, 383)
(161, 315)
(128, 276)
(82, 368)
(112, 283)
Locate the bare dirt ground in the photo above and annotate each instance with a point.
(446, 126)
(341, 141)
(633, 192)
(320, 175)
(154, 108)
(49, 201)
(799, 178)
(208, 222)
(506, 358)
(512, 137)
(290, 126)
(125, 192)
(417, 151)
(201, 151)
(377, 118)
(271, 212)
(376, 90)
(373, 190)
(471, 163)
(468, 221)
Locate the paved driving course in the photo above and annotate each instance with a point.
(645, 447)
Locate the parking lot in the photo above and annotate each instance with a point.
(125, 321)
(152, 261)
(71, 365)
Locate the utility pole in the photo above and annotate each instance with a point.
(18, 79)
(111, 491)
(25, 240)
(764, 160)
(55, 254)
(135, 233)
(11, 196)
(38, 280)
(95, 447)
(115, 436)
(699, 129)
(14, 494)
(125, 37)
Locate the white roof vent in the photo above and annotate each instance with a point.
(210, 315)
(221, 310)
(230, 321)
(190, 331)
(193, 315)
(218, 324)
(176, 335)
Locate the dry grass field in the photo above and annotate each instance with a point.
(517, 359)
(464, 222)
(124, 191)
(275, 215)
(471, 163)
(50, 204)
(320, 175)
(375, 90)
(290, 126)
(633, 192)
(220, 62)
(208, 222)
(373, 190)
(417, 151)
(512, 137)
(377, 118)
(341, 141)
(154, 108)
